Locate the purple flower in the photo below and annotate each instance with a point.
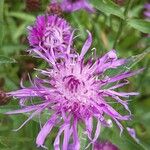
(133, 134)
(76, 91)
(74, 5)
(105, 146)
(50, 35)
(147, 10)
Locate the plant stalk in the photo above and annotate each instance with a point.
(122, 23)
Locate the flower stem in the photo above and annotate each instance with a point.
(120, 29)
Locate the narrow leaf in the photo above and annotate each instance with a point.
(139, 24)
(6, 60)
(108, 7)
(22, 16)
(131, 62)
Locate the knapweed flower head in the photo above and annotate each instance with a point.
(49, 36)
(75, 5)
(105, 145)
(76, 91)
(147, 10)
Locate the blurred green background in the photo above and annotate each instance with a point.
(133, 43)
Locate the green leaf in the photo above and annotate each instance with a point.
(139, 24)
(13, 48)
(21, 29)
(108, 7)
(1, 21)
(82, 137)
(6, 60)
(22, 16)
(123, 142)
(133, 60)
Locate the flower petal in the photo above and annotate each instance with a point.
(86, 45)
(124, 75)
(46, 129)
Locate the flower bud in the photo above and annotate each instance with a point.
(54, 8)
(32, 5)
(3, 98)
(119, 2)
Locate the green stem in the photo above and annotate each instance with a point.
(1, 21)
(122, 23)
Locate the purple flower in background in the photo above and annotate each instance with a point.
(76, 91)
(74, 5)
(49, 35)
(133, 134)
(147, 10)
(105, 146)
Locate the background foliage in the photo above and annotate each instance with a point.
(121, 27)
